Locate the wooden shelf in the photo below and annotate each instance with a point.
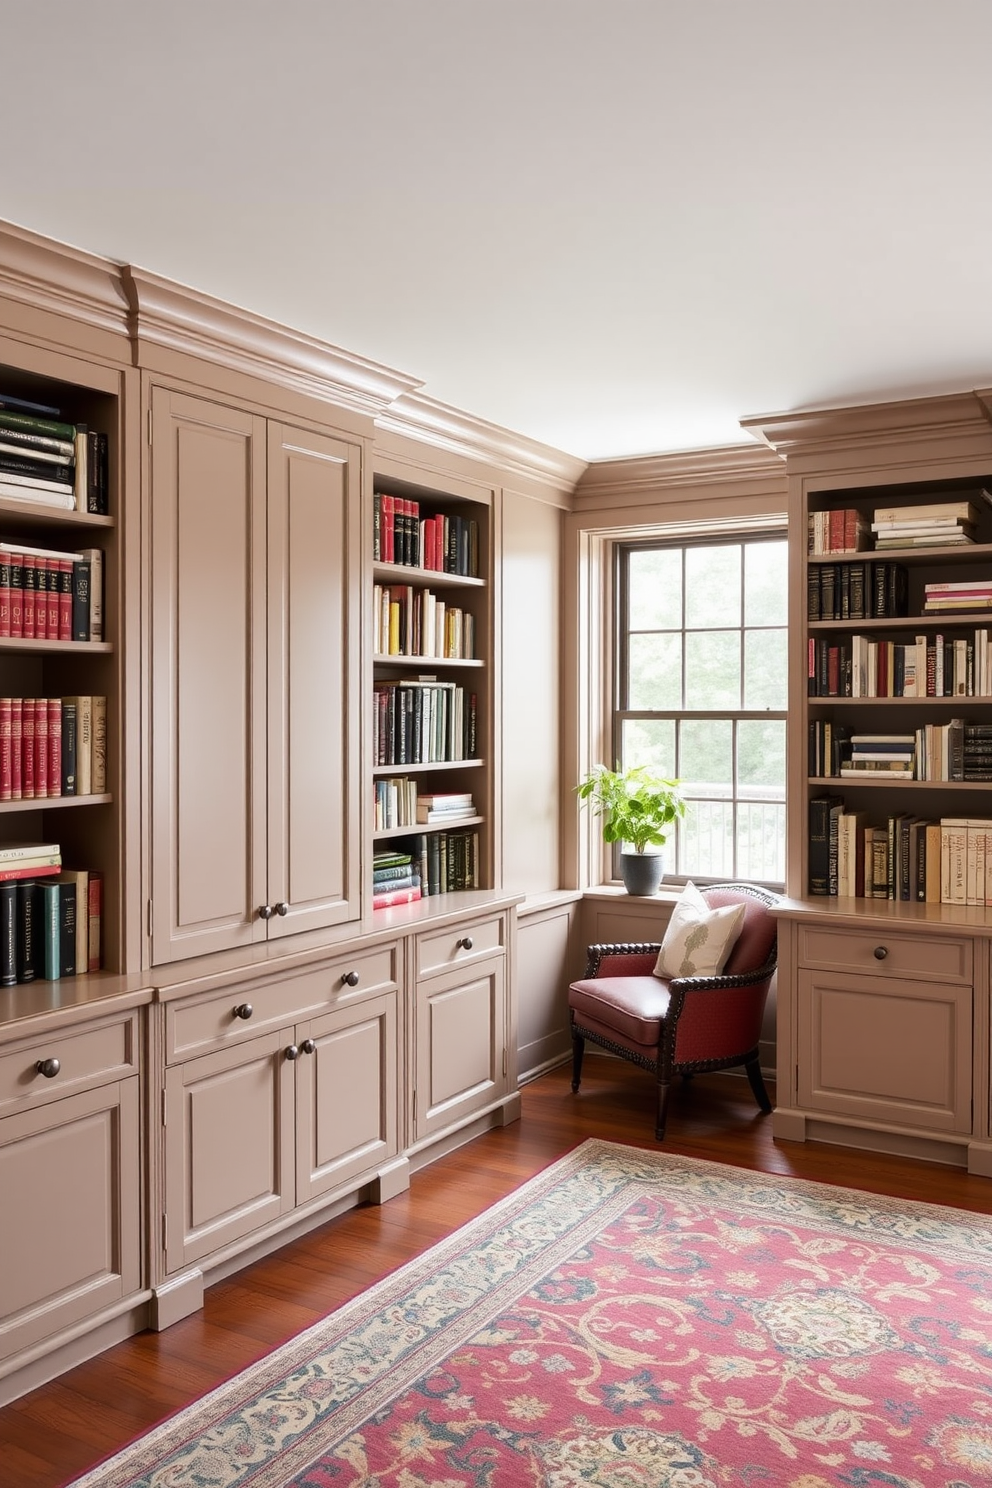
(404, 573)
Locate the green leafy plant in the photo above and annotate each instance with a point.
(635, 805)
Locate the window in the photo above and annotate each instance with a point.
(702, 695)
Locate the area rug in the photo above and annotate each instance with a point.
(628, 1318)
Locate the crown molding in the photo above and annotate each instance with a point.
(416, 416)
(815, 430)
(166, 314)
(642, 477)
(47, 275)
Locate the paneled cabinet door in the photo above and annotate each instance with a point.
(346, 1095)
(460, 1045)
(69, 1213)
(253, 751)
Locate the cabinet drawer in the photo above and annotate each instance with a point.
(213, 1021)
(459, 943)
(86, 1057)
(884, 953)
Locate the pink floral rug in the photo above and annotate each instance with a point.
(628, 1318)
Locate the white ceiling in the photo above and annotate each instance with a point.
(616, 226)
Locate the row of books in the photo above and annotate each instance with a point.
(423, 721)
(50, 595)
(928, 666)
(399, 803)
(857, 591)
(907, 858)
(52, 747)
(443, 543)
(414, 622)
(957, 750)
(50, 926)
(48, 461)
(946, 521)
(432, 863)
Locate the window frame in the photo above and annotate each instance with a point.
(682, 541)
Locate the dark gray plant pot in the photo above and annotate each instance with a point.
(642, 872)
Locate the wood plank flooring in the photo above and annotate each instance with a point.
(51, 1436)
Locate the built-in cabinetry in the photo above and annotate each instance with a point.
(254, 532)
(883, 999)
(70, 1219)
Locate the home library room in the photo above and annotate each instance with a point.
(59, 823)
(899, 693)
(431, 733)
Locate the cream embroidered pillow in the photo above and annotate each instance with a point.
(698, 939)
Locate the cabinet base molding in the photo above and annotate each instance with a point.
(392, 1179)
(500, 1114)
(798, 1126)
(980, 1159)
(176, 1299)
(35, 1367)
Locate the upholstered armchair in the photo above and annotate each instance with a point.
(680, 1025)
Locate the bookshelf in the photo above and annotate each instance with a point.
(431, 731)
(895, 656)
(54, 662)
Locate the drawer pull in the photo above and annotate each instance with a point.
(265, 911)
(244, 1010)
(282, 909)
(48, 1067)
(350, 978)
(880, 953)
(465, 944)
(292, 1052)
(309, 1046)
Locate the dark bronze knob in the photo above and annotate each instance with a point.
(265, 911)
(881, 952)
(48, 1067)
(465, 944)
(309, 1046)
(244, 1010)
(282, 909)
(350, 978)
(292, 1052)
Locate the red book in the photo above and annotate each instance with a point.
(6, 777)
(16, 731)
(16, 594)
(387, 515)
(27, 749)
(386, 897)
(46, 870)
(65, 599)
(4, 594)
(52, 626)
(54, 746)
(41, 598)
(95, 897)
(29, 573)
(40, 747)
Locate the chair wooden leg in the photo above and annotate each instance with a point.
(753, 1069)
(578, 1049)
(664, 1089)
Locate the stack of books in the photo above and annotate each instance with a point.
(395, 879)
(941, 524)
(965, 594)
(45, 460)
(445, 807)
(890, 754)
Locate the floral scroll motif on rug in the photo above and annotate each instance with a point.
(629, 1318)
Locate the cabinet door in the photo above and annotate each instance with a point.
(886, 1050)
(460, 1045)
(346, 1097)
(229, 1146)
(69, 1214)
(313, 740)
(207, 745)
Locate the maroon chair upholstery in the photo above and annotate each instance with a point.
(680, 1025)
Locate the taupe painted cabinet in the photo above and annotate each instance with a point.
(254, 561)
(69, 1180)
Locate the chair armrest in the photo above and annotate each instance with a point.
(718, 983)
(631, 959)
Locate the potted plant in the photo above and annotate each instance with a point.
(636, 808)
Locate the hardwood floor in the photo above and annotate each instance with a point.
(53, 1435)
